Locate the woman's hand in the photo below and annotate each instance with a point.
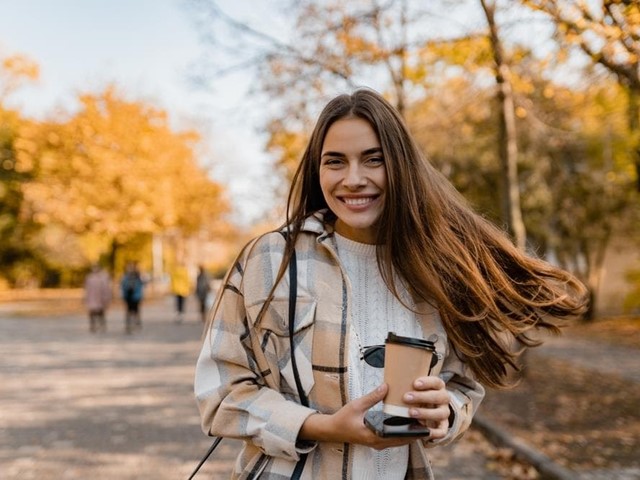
(430, 405)
(347, 424)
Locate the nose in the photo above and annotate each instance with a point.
(355, 177)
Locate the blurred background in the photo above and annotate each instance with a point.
(162, 135)
(165, 132)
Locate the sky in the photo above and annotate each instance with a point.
(148, 48)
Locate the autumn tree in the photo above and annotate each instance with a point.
(448, 84)
(578, 145)
(337, 45)
(321, 48)
(115, 171)
(573, 167)
(16, 256)
(455, 125)
(507, 136)
(608, 32)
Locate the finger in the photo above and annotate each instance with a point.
(437, 415)
(438, 430)
(370, 399)
(429, 383)
(436, 398)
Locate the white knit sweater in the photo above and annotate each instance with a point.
(375, 312)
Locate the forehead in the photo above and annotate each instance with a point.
(349, 134)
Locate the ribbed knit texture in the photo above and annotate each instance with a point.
(374, 313)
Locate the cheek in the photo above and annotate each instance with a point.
(323, 188)
(326, 185)
(381, 178)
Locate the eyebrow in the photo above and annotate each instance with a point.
(369, 151)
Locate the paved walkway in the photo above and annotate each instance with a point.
(621, 361)
(601, 358)
(80, 406)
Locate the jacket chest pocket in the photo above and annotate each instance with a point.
(273, 335)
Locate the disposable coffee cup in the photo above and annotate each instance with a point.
(405, 359)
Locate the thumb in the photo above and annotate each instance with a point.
(375, 396)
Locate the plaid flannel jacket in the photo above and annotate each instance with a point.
(244, 383)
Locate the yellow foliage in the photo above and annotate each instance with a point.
(469, 52)
(288, 146)
(14, 71)
(21, 66)
(608, 33)
(117, 169)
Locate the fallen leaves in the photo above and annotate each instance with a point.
(578, 417)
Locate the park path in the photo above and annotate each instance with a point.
(110, 406)
(597, 356)
(601, 358)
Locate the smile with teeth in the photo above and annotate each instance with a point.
(358, 201)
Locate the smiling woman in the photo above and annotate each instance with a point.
(383, 244)
(353, 178)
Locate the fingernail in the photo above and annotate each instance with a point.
(418, 383)
(408, 397)
(380, 389)
(413, 412)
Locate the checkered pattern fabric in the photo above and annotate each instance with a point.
(244, 383)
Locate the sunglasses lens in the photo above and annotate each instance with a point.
(374, 356)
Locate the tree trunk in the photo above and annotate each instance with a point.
(508, 147)
(594, 276)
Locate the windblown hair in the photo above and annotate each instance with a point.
(490, 295)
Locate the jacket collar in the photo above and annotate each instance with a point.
(316, 223)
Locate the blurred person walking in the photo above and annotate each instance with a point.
(203, 287)
(180, 288)
(132, 290)
(97, 296)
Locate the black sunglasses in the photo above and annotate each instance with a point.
(374, 356)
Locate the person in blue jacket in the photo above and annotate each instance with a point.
(132, 288)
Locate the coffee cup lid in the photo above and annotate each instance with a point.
(410, 341)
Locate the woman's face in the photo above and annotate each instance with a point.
(353, 178)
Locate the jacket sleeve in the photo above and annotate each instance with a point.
(232, 395)
(465, 395)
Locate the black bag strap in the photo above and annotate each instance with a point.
(293, 293)
(213, 446)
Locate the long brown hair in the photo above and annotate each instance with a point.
(485, 289)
